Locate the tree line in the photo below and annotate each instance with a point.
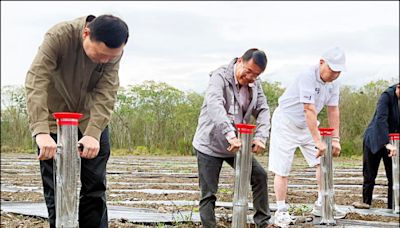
(156, 118)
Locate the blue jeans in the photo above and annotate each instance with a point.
(209, 168)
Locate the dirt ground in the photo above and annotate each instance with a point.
(20, 181)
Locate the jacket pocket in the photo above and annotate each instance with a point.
(218, 141)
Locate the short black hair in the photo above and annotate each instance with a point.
(258, 57)
(110, 30)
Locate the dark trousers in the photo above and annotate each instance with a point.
(92, 201)
(370, 170)
(209, 169)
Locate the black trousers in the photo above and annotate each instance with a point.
(92, 201)
(370, 171)
(209, 168)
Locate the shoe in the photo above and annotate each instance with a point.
(283, 219)
(337, 213)
(360, 205)
(317, 209)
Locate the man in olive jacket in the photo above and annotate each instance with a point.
(76, 70)
(234, 94)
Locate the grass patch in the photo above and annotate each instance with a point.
(16, 149)
(300, 210)
(225, 191)
(142, 150)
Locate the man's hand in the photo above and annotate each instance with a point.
(336, 148)
(392, 149)
(258, 146)
(91, 147)
(321, 148)
(47, 146)
(235, 145)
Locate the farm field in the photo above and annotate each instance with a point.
(169, 184)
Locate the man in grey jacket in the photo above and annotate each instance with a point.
(233, 95)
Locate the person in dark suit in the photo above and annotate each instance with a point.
(376, 145)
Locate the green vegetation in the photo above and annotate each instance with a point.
(300, 210)
(225, 191)
(158, 119)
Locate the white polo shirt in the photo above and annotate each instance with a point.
(310, 89)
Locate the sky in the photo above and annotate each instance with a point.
(181, 42)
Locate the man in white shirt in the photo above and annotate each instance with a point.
(294, 124)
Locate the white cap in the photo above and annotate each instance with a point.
(335, 59)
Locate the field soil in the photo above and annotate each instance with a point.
(134, 180)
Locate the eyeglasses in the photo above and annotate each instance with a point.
(249, 72)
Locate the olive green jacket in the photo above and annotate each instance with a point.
(63, 79)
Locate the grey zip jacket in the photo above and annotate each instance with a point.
(221, 111)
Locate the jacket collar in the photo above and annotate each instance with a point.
(230, 76)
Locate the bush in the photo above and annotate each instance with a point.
(351, 147)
